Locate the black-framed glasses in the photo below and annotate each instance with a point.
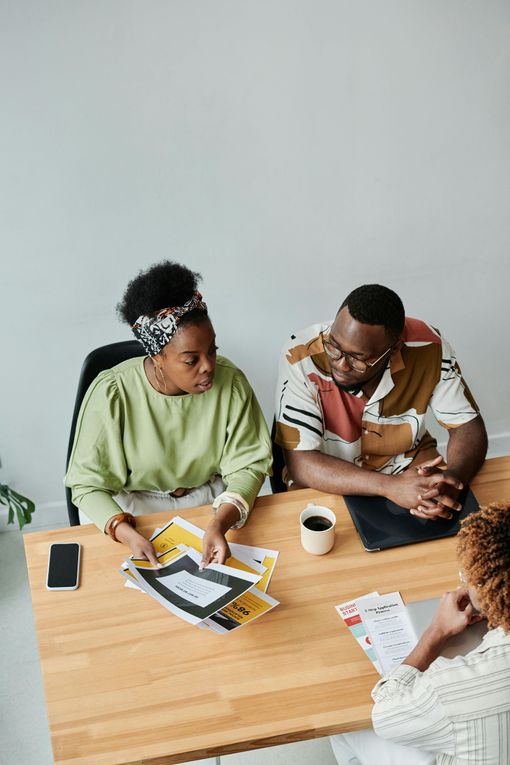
(335, 353)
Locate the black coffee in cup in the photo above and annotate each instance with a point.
(317, 523)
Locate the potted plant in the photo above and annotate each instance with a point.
(17, 505)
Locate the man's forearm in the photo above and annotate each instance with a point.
(334, 475)
(467, 447)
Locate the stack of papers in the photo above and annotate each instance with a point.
(220, 598)
(381, 625)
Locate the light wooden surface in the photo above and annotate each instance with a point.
(127, 682)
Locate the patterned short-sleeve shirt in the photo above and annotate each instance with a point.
(385, 432)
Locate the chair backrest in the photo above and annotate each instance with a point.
(276, 480)
(105, 357)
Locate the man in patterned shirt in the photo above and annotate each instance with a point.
(351, 404)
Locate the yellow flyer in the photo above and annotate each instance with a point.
(177, 532)
(173, 552)
(241, 611)
(269, 564)
(181, 532)
(266, 558)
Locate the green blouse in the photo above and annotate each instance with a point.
(129, 437)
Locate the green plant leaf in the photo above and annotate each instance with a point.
(30, 506)
(27, 514)
(21, 517)
(18, 505)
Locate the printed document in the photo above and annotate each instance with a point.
(193, 595)
(181, 532)
(241, 611)
(219, 606)
(389, 628)
(349, 612)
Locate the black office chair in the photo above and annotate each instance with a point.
(276, 480)
(105, 357)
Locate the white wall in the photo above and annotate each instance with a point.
(288, 150)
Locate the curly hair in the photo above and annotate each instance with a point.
(483, 550)
(162, 285)
(375, 304)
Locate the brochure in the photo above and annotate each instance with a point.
(260, 555)
(144, 563)
(241, 611)
(244, 604)
(188, 592)
(181, 532)
(349, 612)
(389, 628)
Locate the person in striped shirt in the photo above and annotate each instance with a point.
(432, 709)
(351, 402)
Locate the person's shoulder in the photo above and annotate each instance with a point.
(110, 381)
(307, 333)
(225, 367)
(304, 350)
(128, 367)
(227, 371)
(230, 380)
(417, 332)
(305, 342)
(102, 391)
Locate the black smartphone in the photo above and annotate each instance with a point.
(63, 566)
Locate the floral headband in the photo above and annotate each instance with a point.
(155, 331)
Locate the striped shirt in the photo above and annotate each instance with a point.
(382, 433)
(458, 708)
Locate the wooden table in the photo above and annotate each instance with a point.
(127, 682)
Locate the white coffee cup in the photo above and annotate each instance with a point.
(317, 541)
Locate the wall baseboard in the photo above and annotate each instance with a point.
(48, 515)
(52, 515)
(499, 446)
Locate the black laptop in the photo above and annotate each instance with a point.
(382, 524)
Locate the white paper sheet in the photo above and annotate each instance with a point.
(183, 598)
(196, 591)
(390, 630)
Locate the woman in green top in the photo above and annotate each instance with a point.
(178, 428)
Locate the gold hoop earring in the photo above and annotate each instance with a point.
(163, 378)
